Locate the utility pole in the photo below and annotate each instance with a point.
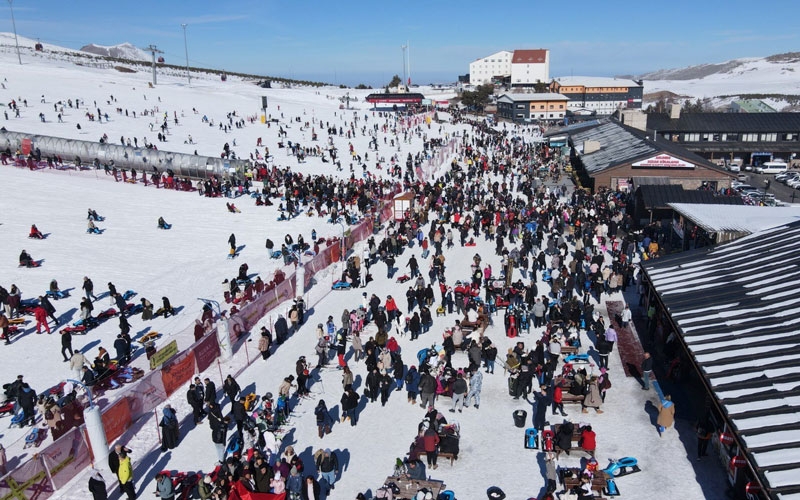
(404, 47)
(154, 50)
(408, 63)
(186, 48)
(14, 24)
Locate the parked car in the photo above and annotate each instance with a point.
(743, 177)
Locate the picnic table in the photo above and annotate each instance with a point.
(576, 437)
(410, 487)
(570, 477)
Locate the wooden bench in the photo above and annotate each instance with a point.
(576, 437)
(571, 481)
(566, 397)
(568, 349)
(442, 454)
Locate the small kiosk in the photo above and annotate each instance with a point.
(403, 204)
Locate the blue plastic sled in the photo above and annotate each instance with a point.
(56, 295)
(531, 439)
(341, 285)
(576, 358)
(94, 231)
(276, 254)
(17, 419)
(622, 467)
(165, 226)
(32, 439)
(128, 294)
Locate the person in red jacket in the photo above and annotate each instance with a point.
(41, 319)
(430, 440)
(588, 440)
(391, 308)
(558, 399)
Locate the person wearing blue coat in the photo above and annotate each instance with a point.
(412, 384)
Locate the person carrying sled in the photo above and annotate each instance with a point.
(162, 224)
(25, 259)
(92, 215)
(35, 233)
(166, 308)
(91, 228)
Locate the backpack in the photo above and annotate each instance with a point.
(409, 377)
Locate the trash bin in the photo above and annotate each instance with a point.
(520, 416)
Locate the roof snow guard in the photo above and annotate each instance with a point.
(411, 98)
(737, 309)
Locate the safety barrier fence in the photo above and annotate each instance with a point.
(51, 468)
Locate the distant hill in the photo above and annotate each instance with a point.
(774, 79)
(122, 51)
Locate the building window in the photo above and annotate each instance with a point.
(749, 137)
(769, 137)
(560, 106)
(691, 137)
(520, 106)
(541, 106)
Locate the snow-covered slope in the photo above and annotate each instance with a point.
(121, 51)
(776, 77)
(189, 262)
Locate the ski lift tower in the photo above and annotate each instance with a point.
(154, 50)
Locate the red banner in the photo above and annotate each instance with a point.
(67, 457)
(206, 350)
(253, 312)
(116, 419)
(178, 372)
(146, 395)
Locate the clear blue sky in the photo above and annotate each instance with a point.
(359, 41)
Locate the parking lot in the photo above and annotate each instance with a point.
(781, 191)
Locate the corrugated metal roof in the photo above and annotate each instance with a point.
(725, 122)
(660, 196)
(743, 218)
(617, 146)
(737, 309)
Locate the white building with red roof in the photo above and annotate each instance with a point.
(529, 67)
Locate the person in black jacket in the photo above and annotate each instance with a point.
(195, 403)
(373, 385)
(48, 307)
(210, 391)
(97, 486)
(349, 404)
(231, 388)
(239, 414)
(88, 287)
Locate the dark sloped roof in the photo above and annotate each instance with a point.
(658, 196)
(620, 144)
(412, 98)
(725, 122)
(737, 309)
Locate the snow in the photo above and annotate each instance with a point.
(752, 76)
(189, 262)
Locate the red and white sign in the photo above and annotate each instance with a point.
(663, 161)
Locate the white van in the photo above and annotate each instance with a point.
(772, 167)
